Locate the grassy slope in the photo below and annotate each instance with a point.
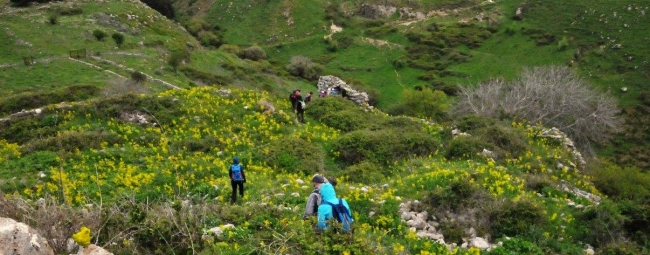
(159, 163)
(27, 33)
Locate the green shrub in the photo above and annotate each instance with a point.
(400, 62)
(53, 19)
(366, 172)
(473, 122)
(332, 45)
(346, 120)
(456, 195)
(427, 103)
(464, 147)
(516, 218)
(383, 147)
(70, 141)
(138, 76)
(254, 53)
(603, 224)
(293, 155)
(99, 34)
(516, 246)
(621, 248)
(30, 100)
(230, 48)
(118, 38)
(509, 140)
(302, 66)
(210, 38)
(563, 44)
(178, 57)
(622, 183)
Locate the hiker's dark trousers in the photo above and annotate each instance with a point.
(234, 184)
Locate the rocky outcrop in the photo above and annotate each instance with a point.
(19, 239)
(556, 134)
(425, 226)
(328, 83)
(93, 250)
(375, 11)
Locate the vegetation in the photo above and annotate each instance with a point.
(149, 154)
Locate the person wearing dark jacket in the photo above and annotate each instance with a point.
(237, 178)
(300, 110)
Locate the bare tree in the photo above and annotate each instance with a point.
(553, 96)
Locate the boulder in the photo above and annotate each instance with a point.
(93, 250)
(329, 82)
(19, 239)
(375, 11)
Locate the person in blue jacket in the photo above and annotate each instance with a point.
(325, 211)
(237, 178)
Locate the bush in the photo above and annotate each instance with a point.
(346, 120)
(456, 195)
(511, 141)
(138, 76)
(302, 66)
(516, 246)
(118, 38)
(293, 155)
(230, 48)
(254, 53)
(383, 147)
(119, 86)
(53, 19)
(178, 57)
(516, 218)
(366, 172)
(584, 114)
(603, 224)
(70, 141)
(563, 44)
(400, 62)
(18, 102)
(99, 34)
(209, 38)
(464, 147)
(427, 103)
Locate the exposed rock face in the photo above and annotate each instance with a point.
(19, 239)
(134, 117)
(93, 250)
(374, 11)
(409, 14)
(325, 83)
(556, 134)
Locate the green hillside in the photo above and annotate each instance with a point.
(133, 138)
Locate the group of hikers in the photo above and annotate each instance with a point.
(298, 104)
(321, 203)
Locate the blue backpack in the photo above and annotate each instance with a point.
(236, 172)
(341, 214)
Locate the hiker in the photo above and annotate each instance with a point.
(333, 207)
(344, 93)
(314, 199)
(323, 93)
(294, 99)
(300, 109)
(308, 98)
(237, 179)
